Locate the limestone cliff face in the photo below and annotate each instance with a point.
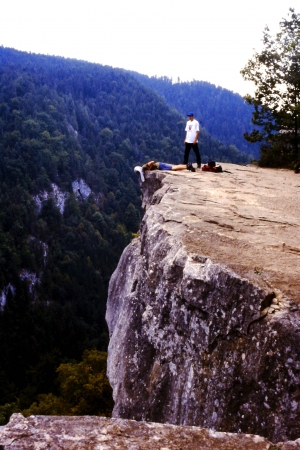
(203, 308)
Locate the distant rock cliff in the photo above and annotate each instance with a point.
(203, 309)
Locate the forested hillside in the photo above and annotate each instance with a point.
(70, 134)
(224, 114)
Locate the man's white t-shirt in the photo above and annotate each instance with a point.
(192, 126)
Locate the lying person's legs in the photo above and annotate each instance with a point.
(179, 167)
(164, 166)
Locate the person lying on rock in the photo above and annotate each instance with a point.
(152, 165)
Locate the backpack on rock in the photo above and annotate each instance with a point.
(211, 166)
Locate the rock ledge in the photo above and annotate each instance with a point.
(100, 433)
(203, 309)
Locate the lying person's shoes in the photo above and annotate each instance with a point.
(190, 167)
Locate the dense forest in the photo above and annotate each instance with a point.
(70, 134)
(224, 114)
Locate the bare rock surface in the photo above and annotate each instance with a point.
(100, 433)
(203, 309)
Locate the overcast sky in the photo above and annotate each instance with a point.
(209, 40)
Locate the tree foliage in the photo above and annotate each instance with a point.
(276, 74)
(62, 121)
(83, 389)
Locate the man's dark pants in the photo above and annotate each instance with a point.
(195, 147)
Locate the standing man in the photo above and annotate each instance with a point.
(191, 139)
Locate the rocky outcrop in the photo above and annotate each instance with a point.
(73, 433)
(59, 197)
(79, 188)
(203, 309)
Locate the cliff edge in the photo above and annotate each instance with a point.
(203, 309)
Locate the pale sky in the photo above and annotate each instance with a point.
(205, 40)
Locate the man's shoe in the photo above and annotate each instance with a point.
(190, 167)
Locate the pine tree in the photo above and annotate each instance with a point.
(276, 74)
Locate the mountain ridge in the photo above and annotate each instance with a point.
(223, 113)
(62, 121)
